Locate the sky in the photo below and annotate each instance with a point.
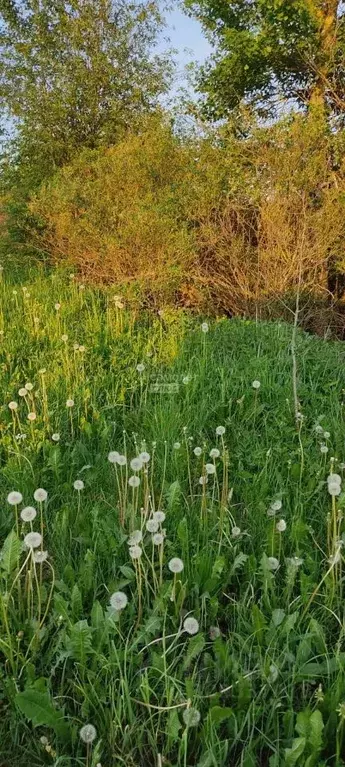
(186, 36)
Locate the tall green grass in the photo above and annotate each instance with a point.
(256, 677)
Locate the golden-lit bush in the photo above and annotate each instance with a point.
(236, 224)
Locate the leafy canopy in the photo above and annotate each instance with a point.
(74, 74)
(269, 49)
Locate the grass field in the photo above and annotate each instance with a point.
(185, 609)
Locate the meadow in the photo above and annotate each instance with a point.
(171, 538)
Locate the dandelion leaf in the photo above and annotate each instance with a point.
(10, 553)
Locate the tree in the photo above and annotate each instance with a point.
(75, 74)
(266, 49)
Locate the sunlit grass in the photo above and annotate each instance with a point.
(172, 567)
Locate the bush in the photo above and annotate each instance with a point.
(237, 224)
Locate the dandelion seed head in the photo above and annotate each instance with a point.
(40, 494)
(204, 327)
(281, 526)
(13, 405)
(135, 552)
(158, 539)
(57, 306)
(40, 557)
(82, 349)
(323, 449)
(140, 367)
(69, 402)
(145, 457)
(136, 463)
(319, 428)
(32, 416)
(88, 733)
(210, 468)
(191, 717)
(272, 563)
(135, 537)
(14, 498)
(214, 453)
(334, 488)
(215, 633)
(197, 451)
(28, 514)
(76, 347)
(29, 386)
(78, 484)
(235, 532)
(177, 445)
(276, 505)
(122, 460)
(203, 480)
(33, 540)
(113, 456)
(119, 600)
(334, 478)
(326, 434)
(185, 380)
(56, 437)
(22, 392)
(159, 516)
(64, 338)
(134, 481)
(256, 384)
(191, 625)
(175, 565)
(220, 430)
(152, 526)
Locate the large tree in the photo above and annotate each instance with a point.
(76, 73)
(266, 50)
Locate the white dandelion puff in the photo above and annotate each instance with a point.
(334, 488)
(64, 338)
(210, 468)
(152, 526)
(119, 600)
(78, 484)
(69, 402)
(57, 306)
(122, 460)
(56, 437)
(134, 481)
(32, 416)
(214, 453)
(281, 526)
(40, 556)
(256, 384)
(13, 405)
(203, 480)
(144, 456)
(135, 552)
(88, 733)
(28, 514)
(29, 386)
(159, 516)
(14, 498)
(140, 367)
(197, 451)
(235, 532)
(113, 456)
(220, 430)
(191, 626)
(177, 445)
(175, 565)
(40, 495)
(326, 434)
(204, 327)
(135, 537)
(158, 539)
(323, 449)
(22, 392)
(33, 540)
(272, 563)
(136, 464)
(191, 717)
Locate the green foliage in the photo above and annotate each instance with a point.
(267, 655)
(74, 75)
(267, 50)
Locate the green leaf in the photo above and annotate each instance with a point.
(196, 645)
(219, 714)
(173, 726)
(293, 754)
(10, 552)
(173, 496)
(76, 602)
(238, 562)
(38, 708)
(278, 617)
(316, 727)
